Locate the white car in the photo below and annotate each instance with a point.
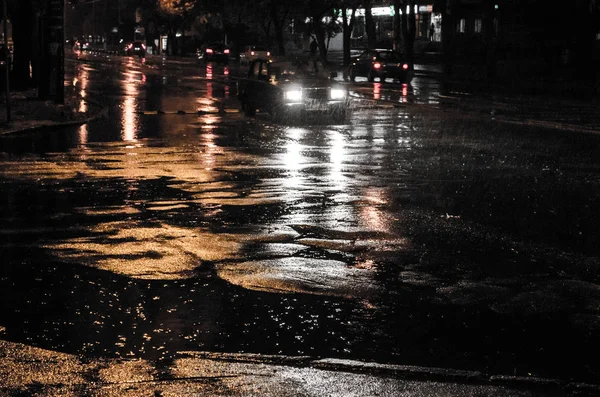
(252, 52)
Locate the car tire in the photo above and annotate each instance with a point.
(371, 76)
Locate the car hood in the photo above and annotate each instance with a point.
(306, 82)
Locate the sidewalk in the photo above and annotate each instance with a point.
(29, 113)
(27, 370)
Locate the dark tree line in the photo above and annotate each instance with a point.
(278, 22)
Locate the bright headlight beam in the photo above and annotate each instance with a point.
(293, 95)
(337, 93)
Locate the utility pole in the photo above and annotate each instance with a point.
(8, 60)
(53, 39)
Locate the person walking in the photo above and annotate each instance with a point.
(313, 48)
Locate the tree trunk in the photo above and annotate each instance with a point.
(277, 25)
(23, 22)
(409, 30)
(370, 25)
(347, 35)
(347, 32)
(448, 21)
(397, 26)
(489, 38)
(320, 33)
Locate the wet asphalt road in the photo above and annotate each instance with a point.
(417, 233)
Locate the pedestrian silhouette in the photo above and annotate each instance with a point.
(313, 47)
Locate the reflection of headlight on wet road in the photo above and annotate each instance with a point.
(293, 94)
(337, 93)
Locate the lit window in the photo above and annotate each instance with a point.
(477, 25)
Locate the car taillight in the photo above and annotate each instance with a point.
(268, 53)
(226, 51)
(405, 66)
(377, 65)
(130, 46)
(209, 51)
(144, 46)
(251, 52)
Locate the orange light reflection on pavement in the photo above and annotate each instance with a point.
(130, 116)
(83, 82)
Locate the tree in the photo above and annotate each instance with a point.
(409, 29)
(348, 6)
(317, 10)
(370, 24)
(22, 14)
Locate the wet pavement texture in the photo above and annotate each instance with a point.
(416, 235)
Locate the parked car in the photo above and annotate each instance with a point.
(292, 90)
(252, 52)
(382, 64)
(135, 48)
(214, 52)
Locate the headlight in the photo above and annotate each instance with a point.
(337, 93)
(293, 94)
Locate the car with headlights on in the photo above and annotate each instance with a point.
(292, 90)
(381, 64)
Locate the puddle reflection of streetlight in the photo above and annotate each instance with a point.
(211, 148)
(337, 155)
(293, 161)
(370, 214)
(82, 80)
(83, 135)
(130, 116)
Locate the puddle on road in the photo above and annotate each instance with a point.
(300, 275)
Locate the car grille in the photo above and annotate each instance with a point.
(316, 93)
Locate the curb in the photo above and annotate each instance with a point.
(407, 372)
(44, 124)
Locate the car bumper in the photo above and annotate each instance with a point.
(315, 106)
(402, 75)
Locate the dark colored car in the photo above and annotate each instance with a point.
(215, 52)
(381, 64)
(135, 48)
(292, 90)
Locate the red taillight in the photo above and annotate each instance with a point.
(251, 52)
(144, 46)
(226, 51)
(405, 66)
(209, 51)
(130, 46)
(377, 65)
(268, 53)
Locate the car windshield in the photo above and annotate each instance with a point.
(390, 56)
(259, 48)
(298, 69)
